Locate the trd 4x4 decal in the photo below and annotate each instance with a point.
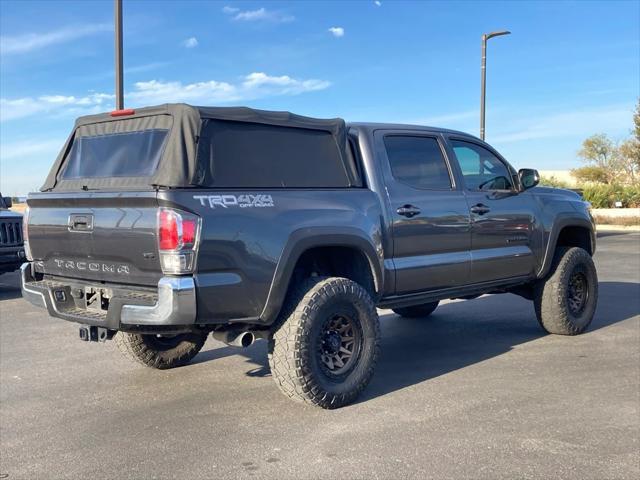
(242, 201)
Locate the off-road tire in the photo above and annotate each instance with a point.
(160, 353)
(417, 311)
(551, 301)
(295, 348)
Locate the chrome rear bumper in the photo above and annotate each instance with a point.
(174, 303)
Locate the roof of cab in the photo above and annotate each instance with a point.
(372, 126)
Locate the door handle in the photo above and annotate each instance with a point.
(480, 209)
(80, 223)
(408, 211)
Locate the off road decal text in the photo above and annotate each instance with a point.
(241, 201)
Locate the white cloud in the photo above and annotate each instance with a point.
(260, 14)
(27, 42)
(154, 91)
(190, 42)
(253, 86)
(337, 31)
(250, 87)
(378, 3)
(12, 109)
(283, 85)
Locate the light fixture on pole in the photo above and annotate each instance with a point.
(483, 75)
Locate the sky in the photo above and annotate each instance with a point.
(567, 71)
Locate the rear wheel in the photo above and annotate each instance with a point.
(325, 350)
(160, 351)
(416, 311)
(566, 300)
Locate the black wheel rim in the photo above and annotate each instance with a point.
(164, 342)
(340, 345)
(577, 292)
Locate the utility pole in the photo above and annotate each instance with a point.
(118, 51)
(483, 76)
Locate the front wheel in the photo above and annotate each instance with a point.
(325, 350)
(566, 300)
(160, 351)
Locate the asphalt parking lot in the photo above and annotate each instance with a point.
(478, 390)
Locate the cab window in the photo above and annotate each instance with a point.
(481, 169)
(418, 162)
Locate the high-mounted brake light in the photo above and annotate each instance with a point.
(178, 234)
(123, 113)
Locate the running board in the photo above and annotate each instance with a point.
(419, 298)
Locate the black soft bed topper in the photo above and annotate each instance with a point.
(181, 161)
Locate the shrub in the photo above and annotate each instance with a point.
(606, 196)
(590, 174)
(553, 182)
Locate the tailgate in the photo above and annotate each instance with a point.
(99, 236)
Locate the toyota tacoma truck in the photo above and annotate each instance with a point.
(11, 249)
(159, 226)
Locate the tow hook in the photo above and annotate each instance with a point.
(95, 334)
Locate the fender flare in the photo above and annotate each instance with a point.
(307, 238)
(566, 220)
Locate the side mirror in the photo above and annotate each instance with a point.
(529, 178)
(7, 201)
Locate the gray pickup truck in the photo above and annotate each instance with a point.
(162, 225)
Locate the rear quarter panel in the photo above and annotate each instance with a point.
(251, 238)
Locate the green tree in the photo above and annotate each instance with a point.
(636, 122)
(592, 174)
(611, 163)
(629, 160)
(629, 152)
(600, 151)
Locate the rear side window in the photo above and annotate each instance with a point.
(253, 155)
(417, 162)
(129, 154)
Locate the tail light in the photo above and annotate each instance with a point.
(25, 234)
(178, 238)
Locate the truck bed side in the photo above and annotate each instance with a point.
(251, 240)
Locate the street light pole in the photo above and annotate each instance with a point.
(483, 76)
(118, 51)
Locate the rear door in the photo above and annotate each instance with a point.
(431, 238)
(502, 219)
